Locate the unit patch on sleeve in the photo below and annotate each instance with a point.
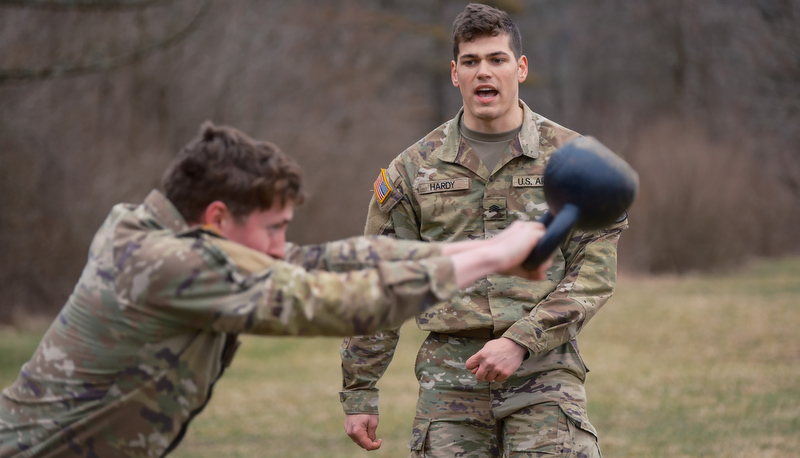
(528, 181)
(382, 187)
(452, 184)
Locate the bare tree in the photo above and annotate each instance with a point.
(95, 62)
(701, 96)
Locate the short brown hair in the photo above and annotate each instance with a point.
(479, 20)
(224, 164)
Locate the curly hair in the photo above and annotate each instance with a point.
(479, 20)
(224, 164)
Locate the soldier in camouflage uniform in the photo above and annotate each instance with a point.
(500, 373)
(152, 323)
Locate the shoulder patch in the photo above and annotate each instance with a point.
(382, 187)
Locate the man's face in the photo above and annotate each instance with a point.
(261, 230)
(488, 76)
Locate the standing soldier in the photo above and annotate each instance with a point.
(500, 373)
(154, 318)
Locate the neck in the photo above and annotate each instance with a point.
(509, 121)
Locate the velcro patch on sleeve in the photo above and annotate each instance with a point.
(382, 187)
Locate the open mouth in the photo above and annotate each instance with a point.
(486, 94)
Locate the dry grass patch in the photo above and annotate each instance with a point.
(700, 366)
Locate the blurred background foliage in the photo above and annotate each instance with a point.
(96, 96)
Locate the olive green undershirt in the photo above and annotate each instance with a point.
(488, 146)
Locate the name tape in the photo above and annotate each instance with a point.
(527, 181)
(452, 184)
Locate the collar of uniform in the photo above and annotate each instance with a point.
(528, 135)
(165, 211)
(452, 138)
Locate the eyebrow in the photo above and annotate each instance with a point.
(278, 223)
(491, 54)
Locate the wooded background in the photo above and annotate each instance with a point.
(700, 96)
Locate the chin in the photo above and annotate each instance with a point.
(486, 115)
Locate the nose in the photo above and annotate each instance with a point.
(484, 69)
(277, 246)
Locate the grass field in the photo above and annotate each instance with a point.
(680, 367)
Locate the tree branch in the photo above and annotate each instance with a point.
(12, 75)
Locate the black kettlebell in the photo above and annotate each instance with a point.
(586, 186)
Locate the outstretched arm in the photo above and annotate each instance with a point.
(474, 259)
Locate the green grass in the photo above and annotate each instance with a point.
(16, 348)
(680, 367)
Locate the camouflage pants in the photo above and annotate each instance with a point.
(457, 416)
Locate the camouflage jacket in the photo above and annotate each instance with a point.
(439, 190)
(152, 323)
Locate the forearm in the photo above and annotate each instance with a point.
(503, 253)
(472, 260)
(588, 283)
(364, 361)
(359, 252)
(354, 302)
(287, 300)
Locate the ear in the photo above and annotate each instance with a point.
(522, 69)
(216, 215)
(453, 74)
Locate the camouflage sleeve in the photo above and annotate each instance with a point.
(378, 221)
(364, 361)
(589, 282)
(345, 255)
(366, 357)
(242, 290)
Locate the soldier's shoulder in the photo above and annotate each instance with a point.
(396, 179)
(220, 252)
(425, 148)
(164, 251)
(553, 134)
